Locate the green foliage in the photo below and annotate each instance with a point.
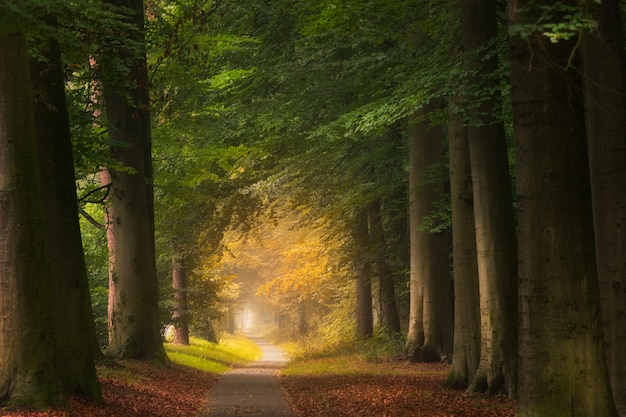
(558, 21)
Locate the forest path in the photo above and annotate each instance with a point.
(252, 390)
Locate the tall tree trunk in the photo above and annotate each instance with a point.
(389, 317)
(135, 332)
(302, 325)
(105, 181)
(562, 365)
(466, 354)
(74, 325)
(604, 66)
(493, 207)
(362, 271)
(179, 283)
(29, 369)
(430, 317)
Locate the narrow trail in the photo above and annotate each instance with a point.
(253, 390)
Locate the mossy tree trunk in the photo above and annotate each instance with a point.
(29, 369)
(135, 325)
(604, 66)
(562, 365)
(74, 325)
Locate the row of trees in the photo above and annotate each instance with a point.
(355, 114)
(516, 92)
(48, 335)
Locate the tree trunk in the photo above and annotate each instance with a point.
(179, 283)
(562, 366)
(135, 332)
(604, 66)
(29, 369)
(362, 271)
(493, 208)
(388, 315)
(303, 326)
(105, 181)
(73, 314)
(466, 354)
(430, 316)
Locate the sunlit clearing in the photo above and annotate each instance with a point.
(214, 358)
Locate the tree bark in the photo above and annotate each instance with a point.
(562, 366)
(430, 317)
(466, 353)
(135, 324)
(73, 314)
(604, 66)
(301, 321)
(179, 283)
(29, 369)
(389, 317)
(493, 206)
(362, 271)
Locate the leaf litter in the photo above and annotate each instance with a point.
(147, 390)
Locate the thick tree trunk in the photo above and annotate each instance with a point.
(562, 365)
(493, 208)
(179, 283)
(135, 331)
(29, 368)
(362, 271)
(388, 315)
(604, 66)
(466, 354)
(430, 317)
(73, 314)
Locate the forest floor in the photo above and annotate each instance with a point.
(145, 390)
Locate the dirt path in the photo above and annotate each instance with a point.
(252, 391)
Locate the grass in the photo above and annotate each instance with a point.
(351, 364)
(211, 357)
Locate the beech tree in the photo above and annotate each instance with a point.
(73, 314)
(29, 372)
(466, 352)
(430, 317)
(179, 283)
(135, 325)
(388, 315)
(604, 66)
(363, 275)
(492, 202)
(562, 366)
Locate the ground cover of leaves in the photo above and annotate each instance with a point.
(144, 390)
(415, 390)
(139, 389)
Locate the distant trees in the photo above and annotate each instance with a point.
(333, 112)
(430, 318)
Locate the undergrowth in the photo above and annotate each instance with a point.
(212, 357)
(317, 355)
